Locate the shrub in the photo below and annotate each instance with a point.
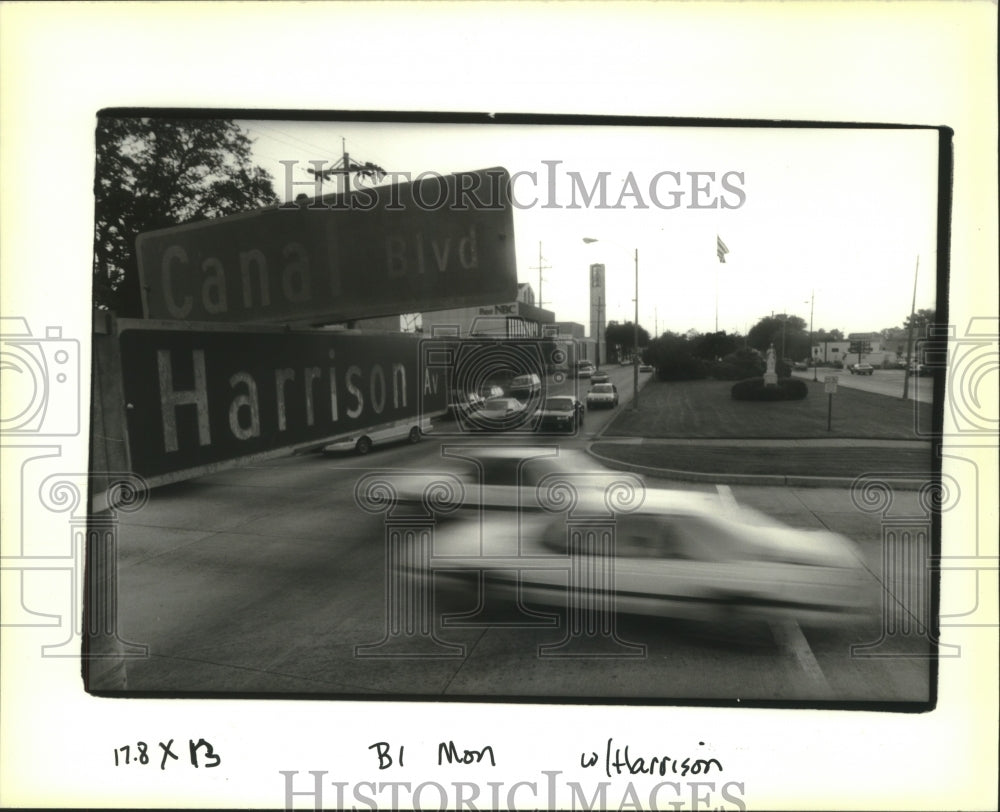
(754, 389)
(743, 363)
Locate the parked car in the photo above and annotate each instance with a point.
(602, 394)
(366, 439)
(599, 377)
(584, 368)
(862, 369)
(801, 365)
(561, 413)
(645, 368)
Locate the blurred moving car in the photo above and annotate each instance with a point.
(599, 377)
(800, 365)
(561, 413)
(861, 369)
(645, 368)
(361, 443)
(679, 555)
(602, 394)
(916, 368)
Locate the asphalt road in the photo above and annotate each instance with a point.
(271, 579)
(882, 382)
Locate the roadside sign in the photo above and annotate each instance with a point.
(830, 384)
(202, 397)
(436, 243)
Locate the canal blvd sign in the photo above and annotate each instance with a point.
(436, 243)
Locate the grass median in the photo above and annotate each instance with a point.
(703, 410)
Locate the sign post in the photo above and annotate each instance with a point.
(830, 385)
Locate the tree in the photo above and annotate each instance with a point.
(622, 337)
(783, 331)
(153, 173)
(820, 336)
(672, 356)
(920, 321)
(713, 346)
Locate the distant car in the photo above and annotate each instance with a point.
(460, 403)
(561, 413)
(916, 368)
(645, 368)
(584, 368)
(602, 394)
(525, 387)
(862, 369)
(801, 365)
(599, 377)
(498, 414)
(679, 555)
(366, 439)
(490, 390)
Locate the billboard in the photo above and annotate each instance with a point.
(198, 397)
(436, 243)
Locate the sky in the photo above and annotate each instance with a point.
(825, 224)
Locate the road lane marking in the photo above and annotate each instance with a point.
(789, 636)
(729, 503)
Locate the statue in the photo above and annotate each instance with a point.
(770, 376)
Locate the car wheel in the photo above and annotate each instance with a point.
(414, 435)
(363, 445)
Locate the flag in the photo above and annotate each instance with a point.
(720, 248)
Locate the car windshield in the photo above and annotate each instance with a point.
(602, 388)
(559, 405)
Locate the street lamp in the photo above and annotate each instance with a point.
(635, 330)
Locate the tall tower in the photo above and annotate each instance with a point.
(598, 311)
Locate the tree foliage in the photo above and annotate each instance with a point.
(920, 321)
(790, 332)
(153, 173)
(620, 338)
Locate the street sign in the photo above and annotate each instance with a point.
(436, 243)
(830, 384)
(202, 397)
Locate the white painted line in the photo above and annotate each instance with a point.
(789, 636)
(729, 503)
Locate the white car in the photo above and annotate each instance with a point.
(364, 440)
(498, 414)
(602, 394)
(679, 555)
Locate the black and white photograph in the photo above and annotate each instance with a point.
(609, 411)
(499, 406)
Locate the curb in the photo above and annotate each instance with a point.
(786, 480)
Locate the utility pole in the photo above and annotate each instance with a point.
(909, 339)
(635, 338)
(812, 301)
(344, 168)
(540, 267)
